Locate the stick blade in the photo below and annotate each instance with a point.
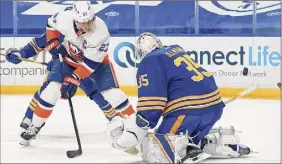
(74, 153)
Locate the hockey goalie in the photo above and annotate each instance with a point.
(172, 86)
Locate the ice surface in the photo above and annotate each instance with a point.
(258, 119)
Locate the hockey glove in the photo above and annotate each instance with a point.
(13, 56)
(69, 86)
(55, 48)
(123, 133)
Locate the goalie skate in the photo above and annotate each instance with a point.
(194, 156)
(224, 143)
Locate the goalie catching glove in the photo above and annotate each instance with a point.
(124, 133)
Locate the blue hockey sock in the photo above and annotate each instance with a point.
(105, 106)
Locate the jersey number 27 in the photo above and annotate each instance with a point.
(192, 66)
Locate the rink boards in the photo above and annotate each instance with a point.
(225, 57)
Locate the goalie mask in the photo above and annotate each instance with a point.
(84, 15)
(146, 43)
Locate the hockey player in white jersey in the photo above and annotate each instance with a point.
(88, 85)
(84, 54)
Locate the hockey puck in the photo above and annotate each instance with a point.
(245, 71)
(279, 85)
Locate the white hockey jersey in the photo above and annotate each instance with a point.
(86, 51)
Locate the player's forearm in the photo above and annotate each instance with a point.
(30, 50)
(35, 46)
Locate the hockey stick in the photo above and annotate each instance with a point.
(248, 90)
(70, 153)
(73, 153)
(245, 92)
(27, 60)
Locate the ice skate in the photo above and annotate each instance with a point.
(194, 155)
(29, 134)
(25, 124)
(241, 149)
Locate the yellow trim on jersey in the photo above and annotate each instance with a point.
(192, 103)
(33, 103)
(34, 100)
(151, 103)
(31, 107)
(146, 103)
(161, 148)
(150, 108)
(35, 47)
(203, 105)
(193, 97)
(109, 110)
(46, 77)
(176, 124)
(152, 98)
(110, 113)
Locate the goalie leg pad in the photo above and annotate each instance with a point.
(169, 148)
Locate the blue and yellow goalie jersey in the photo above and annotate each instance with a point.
(171, 83)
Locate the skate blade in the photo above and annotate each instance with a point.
(255, 152)
(24, 143)
(198, 158)
(217, 156)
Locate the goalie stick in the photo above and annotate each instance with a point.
(241, 94)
